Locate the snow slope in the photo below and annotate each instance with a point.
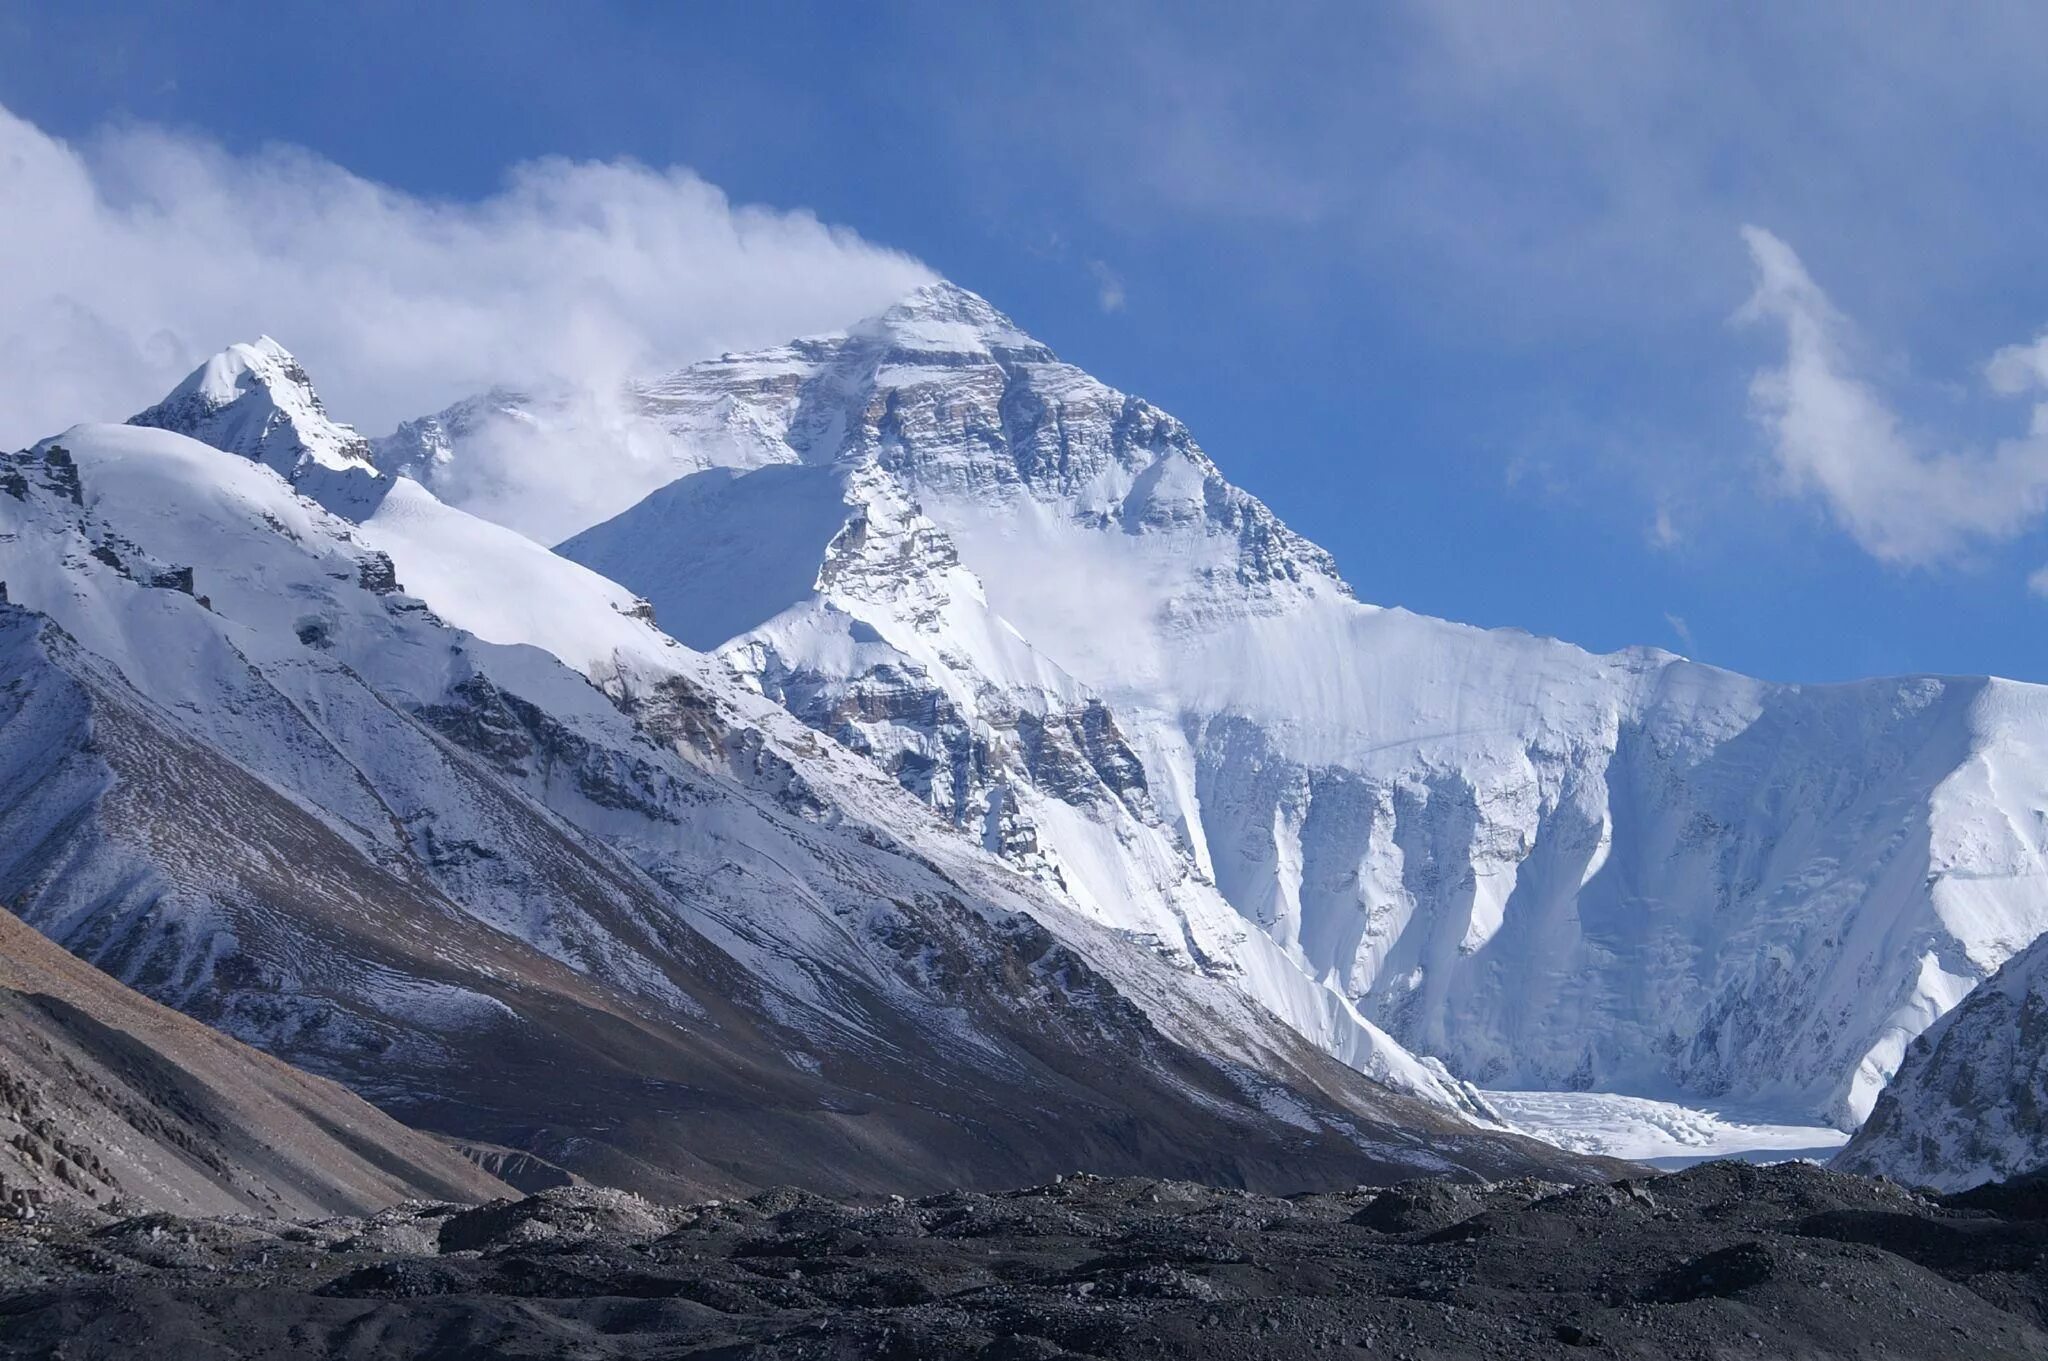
(1038, 605)
(505, 588)
(423, 807)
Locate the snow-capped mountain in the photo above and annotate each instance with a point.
(256, 401)
(1970, 1101)
(417, 804)
(1038, 604)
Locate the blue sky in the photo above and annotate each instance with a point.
(1463, 291)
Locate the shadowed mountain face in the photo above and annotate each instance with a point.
(108, 1098)
(419, 806)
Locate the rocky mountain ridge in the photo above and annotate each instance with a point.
(1970, 1101)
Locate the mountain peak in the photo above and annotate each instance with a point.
(243, 368)
(255, 399)
(943, 316)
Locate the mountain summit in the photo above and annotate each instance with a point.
(927, 593)
(945, 318)
(256, 400)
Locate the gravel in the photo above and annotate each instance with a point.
(1722, 1260)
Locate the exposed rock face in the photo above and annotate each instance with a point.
(422, 807)
(108, 1098)
(1970, 1102)
(1724, 1260)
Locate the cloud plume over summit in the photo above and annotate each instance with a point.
(135, 253)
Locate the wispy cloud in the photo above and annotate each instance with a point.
(1904, 496)
(1586, 162)
(132, 256)
(1680, 629)
(1109, 287)
(1663, 532)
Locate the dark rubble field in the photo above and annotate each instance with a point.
(1724, 1260)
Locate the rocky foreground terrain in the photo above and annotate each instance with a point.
(1724, 1260)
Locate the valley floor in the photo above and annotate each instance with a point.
(1726, 1259)
(1663, 1134)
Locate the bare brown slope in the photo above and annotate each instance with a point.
(104, 1094)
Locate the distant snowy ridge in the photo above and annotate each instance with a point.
(1039, 605)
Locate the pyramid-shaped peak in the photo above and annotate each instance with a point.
(945, 300)
(243, 367)
(946, 317)
(255, 399)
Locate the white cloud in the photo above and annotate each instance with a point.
(1663, 531)
(1680, 629)
(133, 256)
(1835, 437)
(2016, 368)
(1109, 287)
